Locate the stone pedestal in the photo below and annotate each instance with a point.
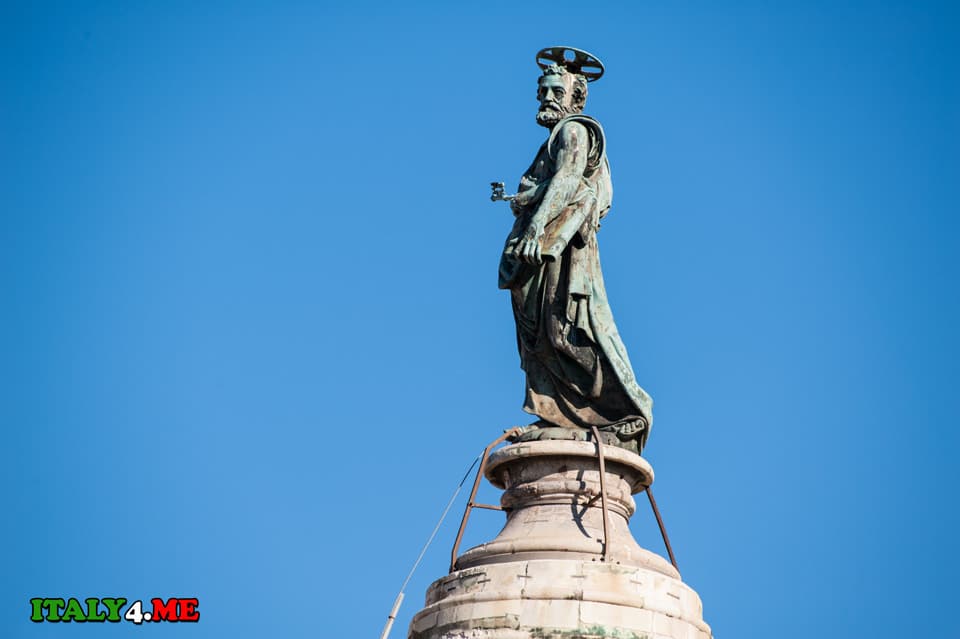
(544, 576)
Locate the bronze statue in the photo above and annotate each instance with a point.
(578, 373)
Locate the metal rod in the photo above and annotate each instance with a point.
(603, 493)
(473, 493)
(488, 506)
(663, 530)
(392, 616)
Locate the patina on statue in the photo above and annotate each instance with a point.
(578, 373)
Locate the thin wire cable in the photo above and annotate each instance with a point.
(416, 564)
(436, 528)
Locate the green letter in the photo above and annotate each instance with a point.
(74, 611)
(113, 607)
(37, 613)
(53, 608)
(93, 610)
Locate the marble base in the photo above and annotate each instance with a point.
(544, 575)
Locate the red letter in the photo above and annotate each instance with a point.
(167, 612)
(188, 609)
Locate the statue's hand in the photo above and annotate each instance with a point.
(525, 197)
(528, 248)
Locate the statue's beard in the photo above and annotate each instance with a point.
(548, 117)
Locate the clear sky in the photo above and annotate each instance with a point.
(251, 336)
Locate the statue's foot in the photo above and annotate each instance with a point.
(544, 430)
(627, 434)
(628, 429)
(520, 433)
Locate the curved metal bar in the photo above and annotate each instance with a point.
(663, 530)
(473, 493)
(603, 493)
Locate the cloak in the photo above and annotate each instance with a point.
(577, 369)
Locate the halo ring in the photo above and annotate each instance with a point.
(573, 60)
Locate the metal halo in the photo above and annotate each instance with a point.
(573, 60)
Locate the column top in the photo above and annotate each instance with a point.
(634, 468)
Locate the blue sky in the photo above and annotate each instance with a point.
(252, 337)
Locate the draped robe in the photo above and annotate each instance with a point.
(577, 369)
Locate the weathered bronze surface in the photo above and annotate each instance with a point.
(578, 373)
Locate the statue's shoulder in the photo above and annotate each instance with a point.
(597, 139)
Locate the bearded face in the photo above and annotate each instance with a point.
(556, 99)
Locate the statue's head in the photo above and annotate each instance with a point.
(561, 93)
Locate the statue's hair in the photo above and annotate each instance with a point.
(579, 84)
